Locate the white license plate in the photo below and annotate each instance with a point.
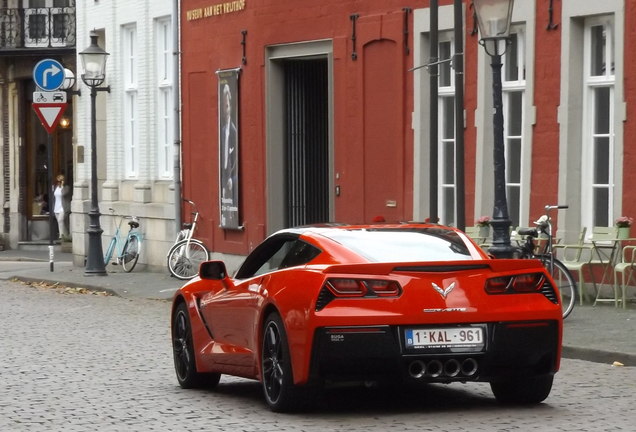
(454, 337)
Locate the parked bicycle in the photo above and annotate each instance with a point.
(187, 253)
(561, 275)
(128, 252)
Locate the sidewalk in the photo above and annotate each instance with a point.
(602, 334)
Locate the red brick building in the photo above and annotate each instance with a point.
(332, 124)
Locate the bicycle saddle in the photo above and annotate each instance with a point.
(528, 231)
(134, 223)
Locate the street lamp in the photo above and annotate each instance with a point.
(94, 64)
(493, 17)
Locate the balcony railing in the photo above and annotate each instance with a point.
(51, 27)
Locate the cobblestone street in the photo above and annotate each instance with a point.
(86, 362)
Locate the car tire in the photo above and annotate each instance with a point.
(183, 352)
(531, 390)
(277, 377)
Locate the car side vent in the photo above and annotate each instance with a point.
(548, 291)
(324, 298)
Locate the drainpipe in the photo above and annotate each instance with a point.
(433, 132)
(176, 48)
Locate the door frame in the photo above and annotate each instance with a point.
(274, 116)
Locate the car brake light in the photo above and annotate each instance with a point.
(368, 288)
(384, 288)
(524, 283)
(498, 285)
(528, 282)
(347, 287)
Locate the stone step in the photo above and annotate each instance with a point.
(38, 246)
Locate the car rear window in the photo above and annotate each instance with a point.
(408, 245)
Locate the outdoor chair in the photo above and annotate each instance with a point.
(625, 268)
(576, 257)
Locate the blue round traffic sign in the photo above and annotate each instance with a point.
(48, 74)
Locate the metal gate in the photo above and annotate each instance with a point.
(306, 142)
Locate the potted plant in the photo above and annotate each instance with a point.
(623, 226)
(484, 226)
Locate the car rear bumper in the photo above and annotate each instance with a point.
(510, 349)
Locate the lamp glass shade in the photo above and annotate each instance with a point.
(493, 17)
(93, 63)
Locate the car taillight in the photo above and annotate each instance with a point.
(528, 282)
(384, 288)
(498, 285)
(347, 287)
(524, 283)
(356, 288)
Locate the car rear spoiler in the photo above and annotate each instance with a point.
(495, 265)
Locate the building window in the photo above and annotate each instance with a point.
(514, 86)
(48, 23)
(165, 106)
(598, 127)
(446, 153)
(130, 126)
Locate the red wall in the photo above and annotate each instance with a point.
(373, 138)
(629, 148)
(545, 140)
(373, 105)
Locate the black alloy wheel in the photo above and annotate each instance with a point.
(278, 382)
(183, 352)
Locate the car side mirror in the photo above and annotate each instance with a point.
(214, 270)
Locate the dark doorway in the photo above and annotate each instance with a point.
(306, 176)
(35, 152)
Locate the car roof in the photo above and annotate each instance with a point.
(325, 229)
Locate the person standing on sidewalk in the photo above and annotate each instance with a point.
(60, 191)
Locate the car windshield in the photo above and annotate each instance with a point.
(404, 245)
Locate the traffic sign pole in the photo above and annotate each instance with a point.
(51, 202)
(49, 106)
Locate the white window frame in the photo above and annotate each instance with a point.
(446, 189)
(164, 97)
(591, 84)
(508, 88)
(131, 109)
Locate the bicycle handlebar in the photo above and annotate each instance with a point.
(558, 206)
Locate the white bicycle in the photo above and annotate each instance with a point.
(187, 253)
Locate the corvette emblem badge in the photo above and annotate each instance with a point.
(443, 292)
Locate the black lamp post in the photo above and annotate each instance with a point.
(94, 64)
(493, 17)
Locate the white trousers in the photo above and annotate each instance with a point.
(60, 223)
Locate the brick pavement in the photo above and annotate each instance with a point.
(602, 334)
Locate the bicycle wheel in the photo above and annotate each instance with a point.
(565, 283)
(130, 253)
(185, 257)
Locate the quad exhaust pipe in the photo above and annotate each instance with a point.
(451, 368)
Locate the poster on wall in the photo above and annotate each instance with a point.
(228, 148)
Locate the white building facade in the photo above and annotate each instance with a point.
(135, 124)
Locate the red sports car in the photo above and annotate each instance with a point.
(414, 302)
